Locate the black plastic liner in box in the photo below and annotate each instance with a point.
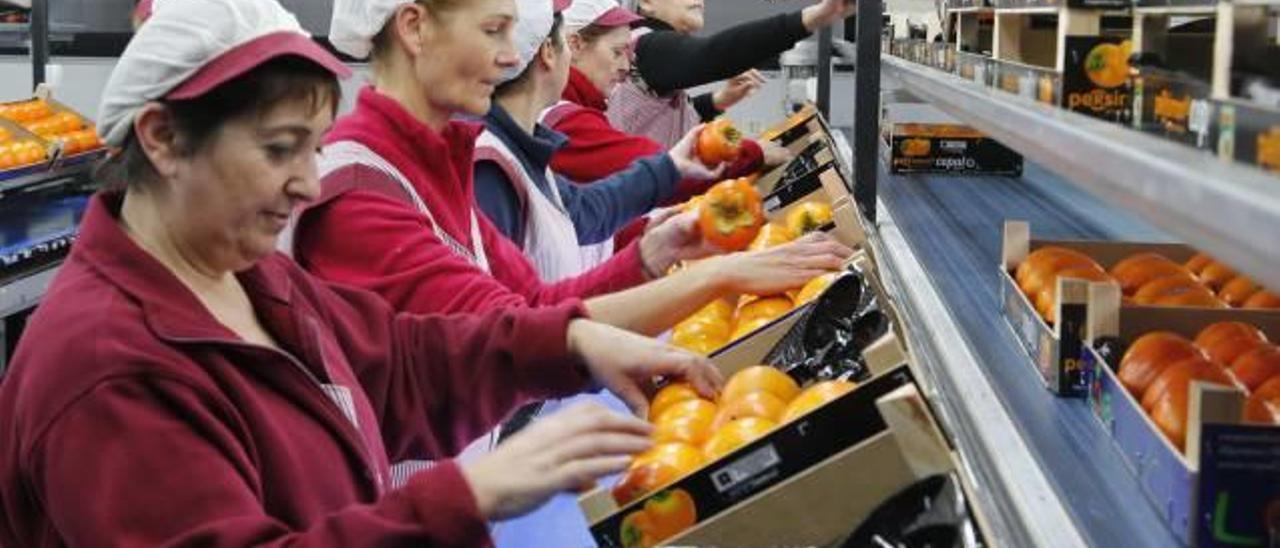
(931, 513)
(802, 165)
(827, 341)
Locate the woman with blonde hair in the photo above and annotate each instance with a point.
(398, 215)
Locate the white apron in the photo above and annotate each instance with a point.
(347, 153)
(550, 239)
(638, 110)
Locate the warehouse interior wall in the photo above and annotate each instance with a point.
(78, 80)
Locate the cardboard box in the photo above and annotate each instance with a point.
(813, 457)
(753, 347)
(801, 124)
(18, 133)
(974, 67)
(826, 186)
(1092, 83)
(55, 158)
(1096, 79)
(822, 503)
(1034, 83)
(1215, 491)
(814, 152)
(755, 495)
(939, 55)
(1172, 3)
(922, 139)
(846, 227)
(1175, 107)
(1054, 351)
(1086, 4)
(1249, 134)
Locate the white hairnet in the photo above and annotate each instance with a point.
(181, 37)
(605, 13)
(534, 19)
(356, 22)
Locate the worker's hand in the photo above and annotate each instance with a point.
(627, 363)
(661, 215)
(736, 89)
(777, 269)
(825, 13)
(685, 157)
(557, 453)
(775, 154)
(670, 239)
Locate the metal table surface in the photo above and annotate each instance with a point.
(953, 228)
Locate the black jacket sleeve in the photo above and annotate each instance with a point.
(705, 104)
(670, 61)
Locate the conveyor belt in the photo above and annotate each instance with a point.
(35, 233)
(953, 225)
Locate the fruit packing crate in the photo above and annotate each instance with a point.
(1216, 492)
(1190, 98)
(757, 343)
(54, 156)
(1041, 50)
(765, 490)
(792, 132)
(768, 492)
(919, 138)
(1053, 351)
(824, 186)
(1082, 65)
(817, 173)
(808, 136)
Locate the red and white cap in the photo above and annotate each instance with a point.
(189, 47)
(142, 11)
(603, 13)
(534, 19)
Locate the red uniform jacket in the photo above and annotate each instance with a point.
(131, 417)
(376, 239)
(597, 150)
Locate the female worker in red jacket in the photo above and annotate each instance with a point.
(184, 385)
(599, 36)
(398, 212)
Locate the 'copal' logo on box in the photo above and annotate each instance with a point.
(955, 163)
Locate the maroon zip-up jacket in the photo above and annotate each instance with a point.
(131, 417)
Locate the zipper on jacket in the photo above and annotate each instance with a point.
(367, 459)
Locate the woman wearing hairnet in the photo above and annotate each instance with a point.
(653, 102)
(531, 204)
(182, 384)
(398, 212)
(546, 215)
(599, 36)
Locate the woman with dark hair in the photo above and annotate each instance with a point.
(563, 228)
(183, 384)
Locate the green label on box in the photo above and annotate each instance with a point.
(1239, 499)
